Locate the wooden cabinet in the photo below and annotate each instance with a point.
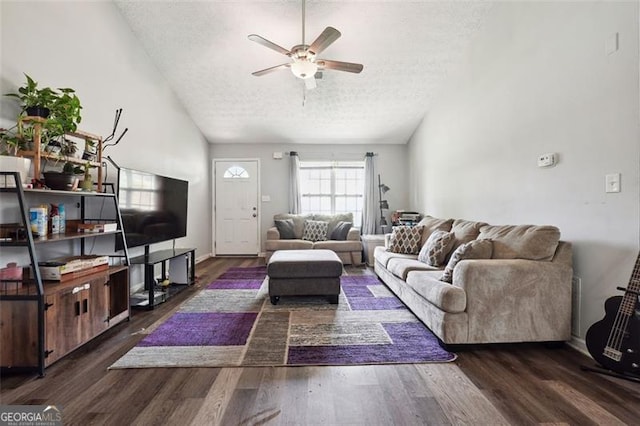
(80, 310)
(40, 321)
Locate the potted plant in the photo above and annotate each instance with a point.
(90, 150)
(11, 142)
(65, 110)
(65, 180)
(35, 101)
(86, 184)
(61, 107)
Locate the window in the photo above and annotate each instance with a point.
(235, 172)
(330, 187)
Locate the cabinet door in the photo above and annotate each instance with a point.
(63, 330)
(74, 316)
(97, 307)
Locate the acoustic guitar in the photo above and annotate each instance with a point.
(614, 341)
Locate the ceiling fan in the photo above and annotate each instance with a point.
(305, 62)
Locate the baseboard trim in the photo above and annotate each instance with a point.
(579, 345)
(203, 257)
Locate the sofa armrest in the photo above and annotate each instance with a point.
(516, 300)
(353, 234)
(273, 233)
(387, 241)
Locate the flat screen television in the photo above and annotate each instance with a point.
(153, 207)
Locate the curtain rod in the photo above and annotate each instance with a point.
(331, 153)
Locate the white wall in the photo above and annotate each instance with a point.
(89, 47)
(274, 179)
(538, 80)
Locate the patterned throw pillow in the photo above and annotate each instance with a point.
(436, 248)
(476, 249)
(405, 239)
(315, 230)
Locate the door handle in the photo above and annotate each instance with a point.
(254, 215)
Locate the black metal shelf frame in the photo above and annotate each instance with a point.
(30, 243)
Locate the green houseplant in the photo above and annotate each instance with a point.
(59, 110)
(35, 101)
(61, 107)
(64, 180)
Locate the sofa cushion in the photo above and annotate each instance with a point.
(333, 219)
(436, 248)
(315, 230)
(529, 242)
(476, 249)
(273, 245)
(465, 231)
(285, 228)
(298, 221)
(338, 246)
(406, 239)
(341, 231)
(400, 267)
(444, 296)
(383, 256)
(430, 224)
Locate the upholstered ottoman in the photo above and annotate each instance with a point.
(304, 273)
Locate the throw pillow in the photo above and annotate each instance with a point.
(436, 248)
(405, 239)
(285, 228)
(341, 231)
(476, 249)
(315, 230)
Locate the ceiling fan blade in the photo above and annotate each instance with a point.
(324, 40)
(268, 70)
(339, 66)
(310, 83)
(266, 43)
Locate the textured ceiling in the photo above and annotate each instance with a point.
(407, 48)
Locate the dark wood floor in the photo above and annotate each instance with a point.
(496, 384)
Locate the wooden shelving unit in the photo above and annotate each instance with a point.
(40, 321)
(37, 155)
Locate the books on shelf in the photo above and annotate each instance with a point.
(71, 267)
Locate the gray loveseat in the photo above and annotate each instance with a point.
(522, 293)
(348, 250)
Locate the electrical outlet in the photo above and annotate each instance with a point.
(576, 297)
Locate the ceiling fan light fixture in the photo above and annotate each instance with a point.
(304, 69)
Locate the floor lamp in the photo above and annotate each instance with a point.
(384, 205)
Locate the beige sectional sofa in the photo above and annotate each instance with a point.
(522, 293)
(348, 250)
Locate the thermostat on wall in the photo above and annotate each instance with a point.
(547, 160)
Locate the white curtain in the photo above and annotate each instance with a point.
(369, 204)
(295, 200)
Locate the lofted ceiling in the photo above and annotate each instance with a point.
(407, 49)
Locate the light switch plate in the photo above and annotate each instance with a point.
(612, 182)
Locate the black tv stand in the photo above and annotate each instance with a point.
(158, 294)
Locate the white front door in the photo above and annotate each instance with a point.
(236, 207)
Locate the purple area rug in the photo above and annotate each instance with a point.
(231, 323)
